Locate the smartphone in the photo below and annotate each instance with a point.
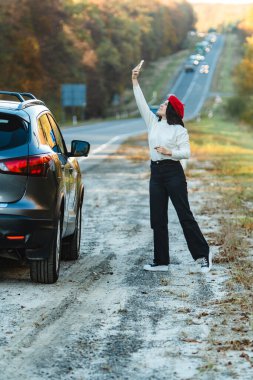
(141, 63)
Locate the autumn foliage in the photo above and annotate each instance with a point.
(45, 43)
(242, 103)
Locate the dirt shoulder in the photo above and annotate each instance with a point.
(108, 319)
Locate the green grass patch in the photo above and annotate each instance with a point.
(230, 57)
(229, 145)
(246, 222)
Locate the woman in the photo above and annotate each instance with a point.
(168, 144)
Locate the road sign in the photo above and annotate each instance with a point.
(116, 100)
(73, 95)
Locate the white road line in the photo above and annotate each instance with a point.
(101, 147)
(105, 145)
(188, 92)
(109, 142)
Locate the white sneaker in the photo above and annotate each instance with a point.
(206, 263)
(156, 268)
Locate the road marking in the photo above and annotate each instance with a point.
(111, 141)
(193, 82)
(101, 147)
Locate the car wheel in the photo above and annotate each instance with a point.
(47, 271)
(71, 244)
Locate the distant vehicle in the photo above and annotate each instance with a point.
(41, 189)
(202, 47)
(196, 58)
(204, 69)
(211, 38)
(195, 62)
(189, 67)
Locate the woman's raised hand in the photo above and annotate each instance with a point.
(136, 70)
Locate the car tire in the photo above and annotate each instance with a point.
(71, 244)
(47, 271)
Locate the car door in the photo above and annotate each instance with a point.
(56, 145)
(71, 172)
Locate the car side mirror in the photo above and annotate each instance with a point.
(79, 148)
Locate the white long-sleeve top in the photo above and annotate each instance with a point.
(172, 136)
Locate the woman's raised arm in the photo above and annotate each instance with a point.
(144, 109)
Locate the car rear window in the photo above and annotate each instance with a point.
(13, 132)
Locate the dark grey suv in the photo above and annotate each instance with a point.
(41, 192)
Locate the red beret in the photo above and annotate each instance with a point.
(177, 105)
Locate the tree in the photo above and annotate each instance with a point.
(97, 42)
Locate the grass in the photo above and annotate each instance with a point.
(232, 245)
(232, 52)
(228, 145)
(246, 222)
(135, 149)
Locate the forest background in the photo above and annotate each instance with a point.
(45, 44)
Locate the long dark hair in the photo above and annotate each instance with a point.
(171, 116)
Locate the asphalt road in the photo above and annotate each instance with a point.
(105, 137)
(193, 87)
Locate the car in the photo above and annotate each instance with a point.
(189, 67)
(193, 60)
(211, 38)
(204, 69)
(41, 189)
(202, 47)
(197, 57)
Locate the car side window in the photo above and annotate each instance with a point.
(41, 134)
(45, 129)
(57, 133)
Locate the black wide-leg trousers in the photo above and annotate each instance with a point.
(168, 181)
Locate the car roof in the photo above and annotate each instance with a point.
(8, 104)
(13, 108)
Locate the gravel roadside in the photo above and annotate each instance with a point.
(108, 319)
